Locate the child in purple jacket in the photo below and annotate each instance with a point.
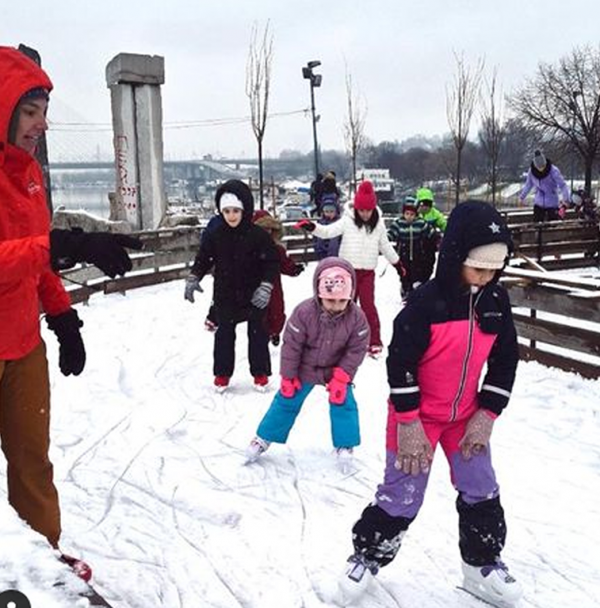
(324, 342)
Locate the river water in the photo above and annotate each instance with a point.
(93, 199)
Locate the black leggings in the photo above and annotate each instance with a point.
(544, 214)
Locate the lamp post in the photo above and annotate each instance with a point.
(315, 81)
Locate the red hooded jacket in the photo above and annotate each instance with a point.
(26, 279)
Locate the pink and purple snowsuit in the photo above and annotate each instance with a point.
(442, 339)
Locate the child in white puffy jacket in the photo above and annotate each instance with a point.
(364, 237)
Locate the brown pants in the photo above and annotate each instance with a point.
(25, 440)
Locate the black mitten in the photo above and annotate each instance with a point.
(298, 268)
(72, 352)
(102, 249)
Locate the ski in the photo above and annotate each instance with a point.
(487, 602)
(88, 593)
(94, 598)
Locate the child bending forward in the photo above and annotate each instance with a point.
(324, 342)
(442, 392)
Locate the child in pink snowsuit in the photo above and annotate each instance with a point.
(450, 328)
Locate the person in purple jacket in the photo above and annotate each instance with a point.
(548, 181)
(324, 342)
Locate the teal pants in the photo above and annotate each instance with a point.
(281, 415)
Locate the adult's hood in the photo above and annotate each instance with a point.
(471, 224)
(265, 220)
(330, 263)
(19, 74)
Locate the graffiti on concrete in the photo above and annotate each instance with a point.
(127, 190)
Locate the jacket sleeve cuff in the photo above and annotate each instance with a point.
(405, 398)
(493, 398)
(406, 417)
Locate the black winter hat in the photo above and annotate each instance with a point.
(239, 189)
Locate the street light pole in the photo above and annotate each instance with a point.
(315, 81)
(314, 125)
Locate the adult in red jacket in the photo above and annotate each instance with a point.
(28, 284)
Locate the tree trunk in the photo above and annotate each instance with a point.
(589, 167)
(458, 170)
(260, 174)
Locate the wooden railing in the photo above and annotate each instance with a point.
(558, 245)
(561, 324)
(169, 253)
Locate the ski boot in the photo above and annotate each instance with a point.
(261, 383)
(357, 576)
(492, 584)
(344, 459)
(221, 383)
(257, 447)
(375, 351)
(79, 567)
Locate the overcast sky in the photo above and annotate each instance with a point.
(400, 55)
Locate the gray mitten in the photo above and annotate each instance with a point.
(477, 434)
(414, 450)
(262, 295)
(192, 284)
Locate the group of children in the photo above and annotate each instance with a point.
(449, 329)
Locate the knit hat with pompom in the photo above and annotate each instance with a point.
(365, 197)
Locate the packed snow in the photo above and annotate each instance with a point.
(156, 496)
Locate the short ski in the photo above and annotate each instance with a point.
(94, 598)
(488, 602)
(90, 594)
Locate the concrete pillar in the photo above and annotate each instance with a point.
(134, 82)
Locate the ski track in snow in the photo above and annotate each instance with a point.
(156, 495)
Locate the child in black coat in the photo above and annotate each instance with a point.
(246, 265)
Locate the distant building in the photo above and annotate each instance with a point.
(383, 184)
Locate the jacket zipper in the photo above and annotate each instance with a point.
(465, 364)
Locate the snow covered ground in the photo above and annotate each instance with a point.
(156, 497)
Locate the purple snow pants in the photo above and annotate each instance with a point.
(401, 495)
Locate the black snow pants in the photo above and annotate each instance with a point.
(258, 342)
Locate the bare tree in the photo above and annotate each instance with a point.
(354, 127)
(258, 84)
(492, 132)
(562, 102)
(460, 104)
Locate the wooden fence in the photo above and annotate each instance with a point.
(169, 253)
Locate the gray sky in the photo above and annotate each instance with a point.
(400, 55)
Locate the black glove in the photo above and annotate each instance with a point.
(298, 268)
(72, 352)
(102, 249)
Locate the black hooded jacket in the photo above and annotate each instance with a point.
(242, 257)
(436, 310)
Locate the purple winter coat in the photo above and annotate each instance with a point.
(547, 184)
(315, 341)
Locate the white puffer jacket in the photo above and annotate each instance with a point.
(359, 247)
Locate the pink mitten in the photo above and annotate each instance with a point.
(289, 386)
(338, 386)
